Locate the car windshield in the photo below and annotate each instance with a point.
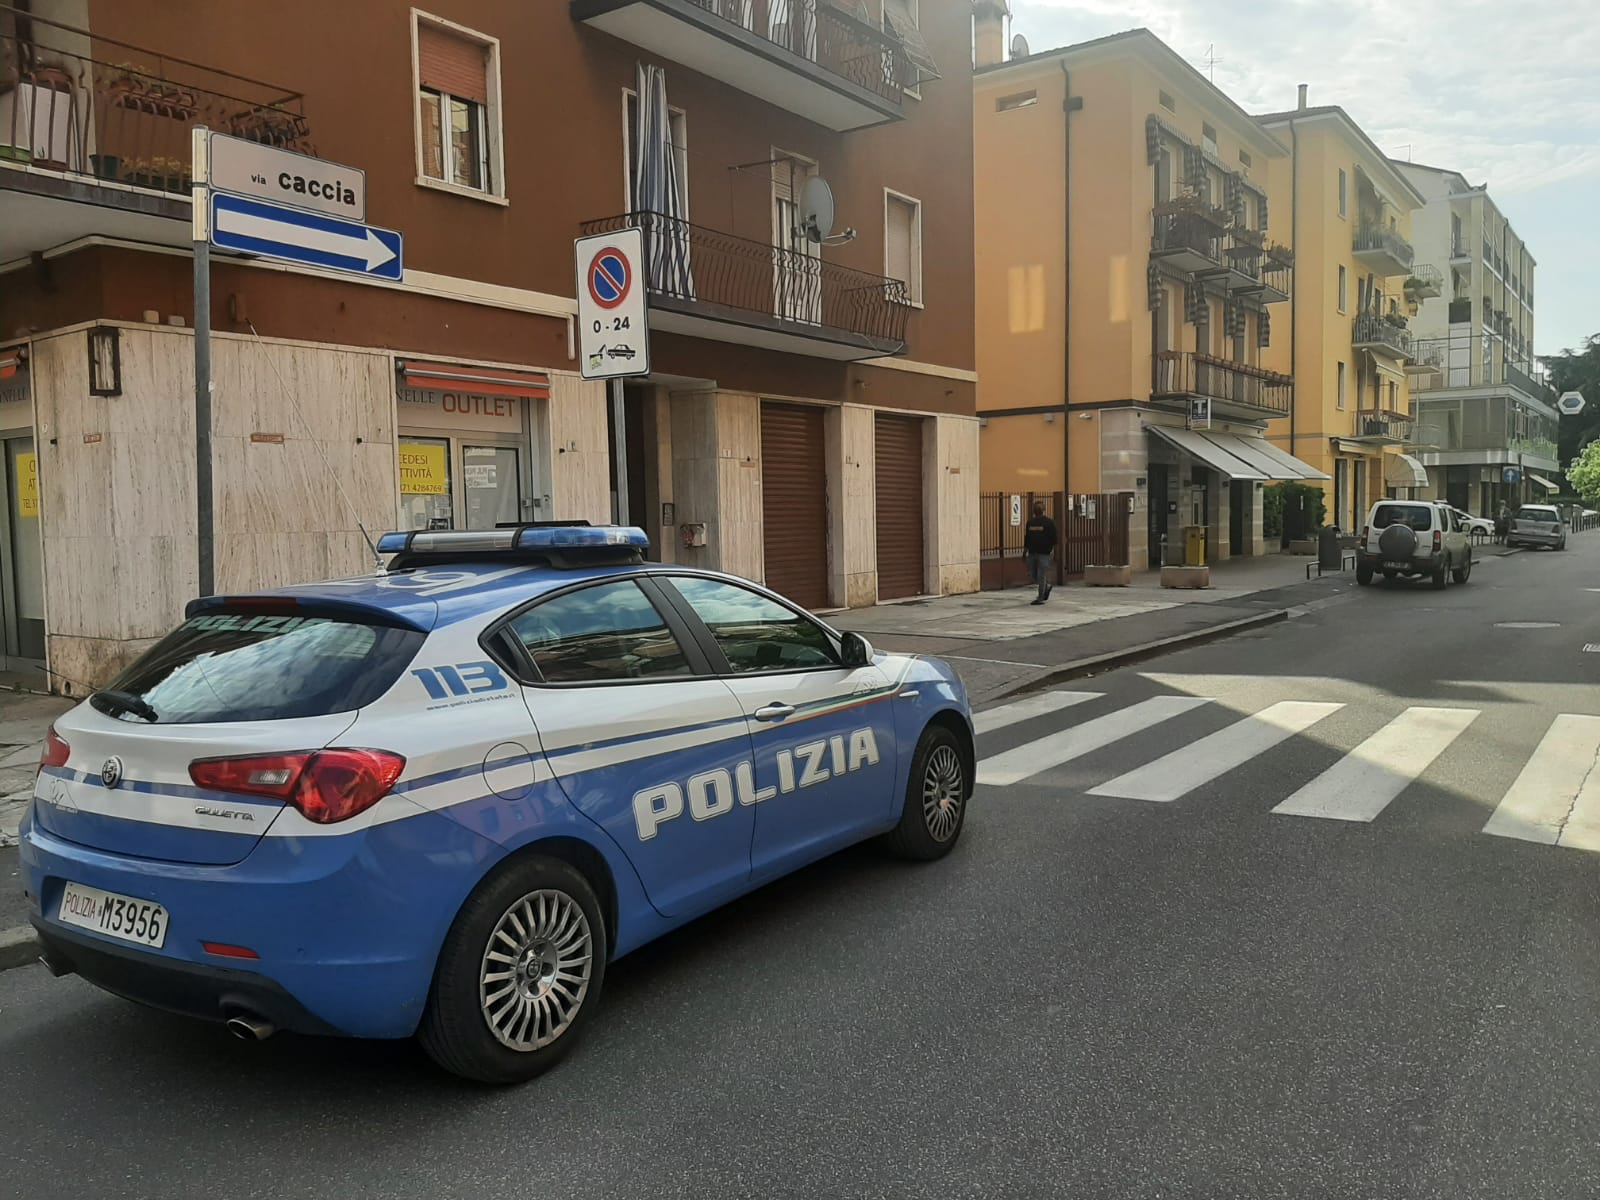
(1418, 516)
(243, 666)
(1542, 516)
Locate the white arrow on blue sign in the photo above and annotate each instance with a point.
(276, 231)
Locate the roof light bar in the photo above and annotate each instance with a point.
(583, 537)
(547, 537)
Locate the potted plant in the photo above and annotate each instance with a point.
(137, 172)
(169, 175)
(20, 154)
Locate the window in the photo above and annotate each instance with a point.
(1394, 397)
(1339, 393)
(902, 219)
(255, 666)
(755, 633)
(1343, 289)
(598, 635)
(1016, 101)
(1245, 159)
(678, 124)
(1418, 516)
(1208, 138)
(1344, 193)
(458, 130)
(1168, 103)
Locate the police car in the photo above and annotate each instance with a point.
(439, 800)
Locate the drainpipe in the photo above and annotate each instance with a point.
(1294, 295)
(1069, 105)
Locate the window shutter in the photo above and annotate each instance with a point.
(901, 259)
(452, 64)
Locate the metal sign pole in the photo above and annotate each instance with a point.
(619, 423)
(200, 197)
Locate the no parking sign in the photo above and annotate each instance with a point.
(613, 318)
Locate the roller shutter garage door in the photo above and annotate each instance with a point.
(794, 502)
(898, 472)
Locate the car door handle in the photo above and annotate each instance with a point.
(774, 712)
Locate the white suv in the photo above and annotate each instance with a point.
(1415, 538)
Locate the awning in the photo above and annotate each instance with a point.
(1544, 483)
(1384, 368)
(1404, 471)
(1234, 456)
(9, 362)
(482, 381)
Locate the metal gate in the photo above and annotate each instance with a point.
(794, 502)
(897, 471)
(1092, 528)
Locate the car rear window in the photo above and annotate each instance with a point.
(244, 666)
(1418, 516)
(1542, 516)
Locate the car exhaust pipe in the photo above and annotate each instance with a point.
(251, 1029)
(56, 965)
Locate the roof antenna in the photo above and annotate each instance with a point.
(1211, 60)
(377, 559)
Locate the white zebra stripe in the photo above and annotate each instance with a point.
(1067, 744)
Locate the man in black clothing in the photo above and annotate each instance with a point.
(1039, 545)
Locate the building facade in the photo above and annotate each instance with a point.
(809, 417)
(1486, 421)
(1356, 285)
(1133, 269)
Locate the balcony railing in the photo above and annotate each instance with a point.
(832, 39)
(1372, 330)
(130, 122)
(1386, 423)
(1189, 232)
(1376, 240)
(705, 273)
(1186, 373)
(1479, 362)
(1425, 281)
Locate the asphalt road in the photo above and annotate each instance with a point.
(1095, 996)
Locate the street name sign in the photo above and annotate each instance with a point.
(248, 168)
(613, 318)
(312, 239)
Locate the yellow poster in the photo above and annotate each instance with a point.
(27, 466)
(423, 471)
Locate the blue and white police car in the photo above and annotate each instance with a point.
(439, 800)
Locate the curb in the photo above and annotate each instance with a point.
(1119, 658)
(18, 947)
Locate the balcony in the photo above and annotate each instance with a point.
(810, 58)
(1252, 267)
(709, 284)
(1381, 336)
(1426, 358)
(1235, 388)
(1425, 282)
(1460, 256)
(1189, 234)
(1382, 250)
(1382, 427)
(90, 148)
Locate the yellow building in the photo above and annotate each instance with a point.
(1350, 210)
(1132, 277)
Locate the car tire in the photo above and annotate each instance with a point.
(1562, 544)
(540, 916)
(1462, 574)
(1441, 575)
(937, 791)
(1363, 574)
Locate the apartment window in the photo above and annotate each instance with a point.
(1016, 101)
(1343, 290)
(1394, 397)
(1167, 102)
(1208, 138)
(458, 122)
(1245, 159)
(1339, 392)
(1344, 193)
(678, 124)
(902, 220)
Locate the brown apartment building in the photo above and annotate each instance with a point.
(809, 419)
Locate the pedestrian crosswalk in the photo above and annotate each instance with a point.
(1555, 800)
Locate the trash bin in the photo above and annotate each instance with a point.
(1194, 545)
(1329, 555)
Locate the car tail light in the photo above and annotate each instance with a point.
(1438, 540)
(55, 750)
(326, 786)
(1365, 531)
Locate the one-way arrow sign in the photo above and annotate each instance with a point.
(276, 231)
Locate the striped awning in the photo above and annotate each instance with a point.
(1404, 471)
(483, 381)
(1544, 483)
(1236, 457)
(10, 360)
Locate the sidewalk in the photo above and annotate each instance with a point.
(1000, 643)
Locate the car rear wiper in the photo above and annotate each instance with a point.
(117, 703)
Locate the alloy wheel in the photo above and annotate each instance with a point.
(943, 793)
(536, 970)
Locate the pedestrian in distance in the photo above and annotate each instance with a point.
(1039, 545)
(1502, 523)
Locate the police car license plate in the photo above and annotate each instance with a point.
(142, 922)
(1401, 566)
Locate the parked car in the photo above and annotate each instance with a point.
(1414, 539)
(1538, 525)
(1471, 524)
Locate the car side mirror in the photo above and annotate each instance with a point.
(857, 650)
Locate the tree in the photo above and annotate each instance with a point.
(1577, 371)
(1584, 473)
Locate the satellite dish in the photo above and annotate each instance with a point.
(816, 209)
(1019, 46)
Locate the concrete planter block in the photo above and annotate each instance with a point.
(1107, 576)
(1185, 577)
(1303, 546)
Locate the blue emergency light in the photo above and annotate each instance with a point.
(522, 537)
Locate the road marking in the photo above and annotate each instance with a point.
(1361, 784)
(1067, 744)
(1541, 800)
(1027, 708)
(1183, 770)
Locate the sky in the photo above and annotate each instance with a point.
(1505, 93)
